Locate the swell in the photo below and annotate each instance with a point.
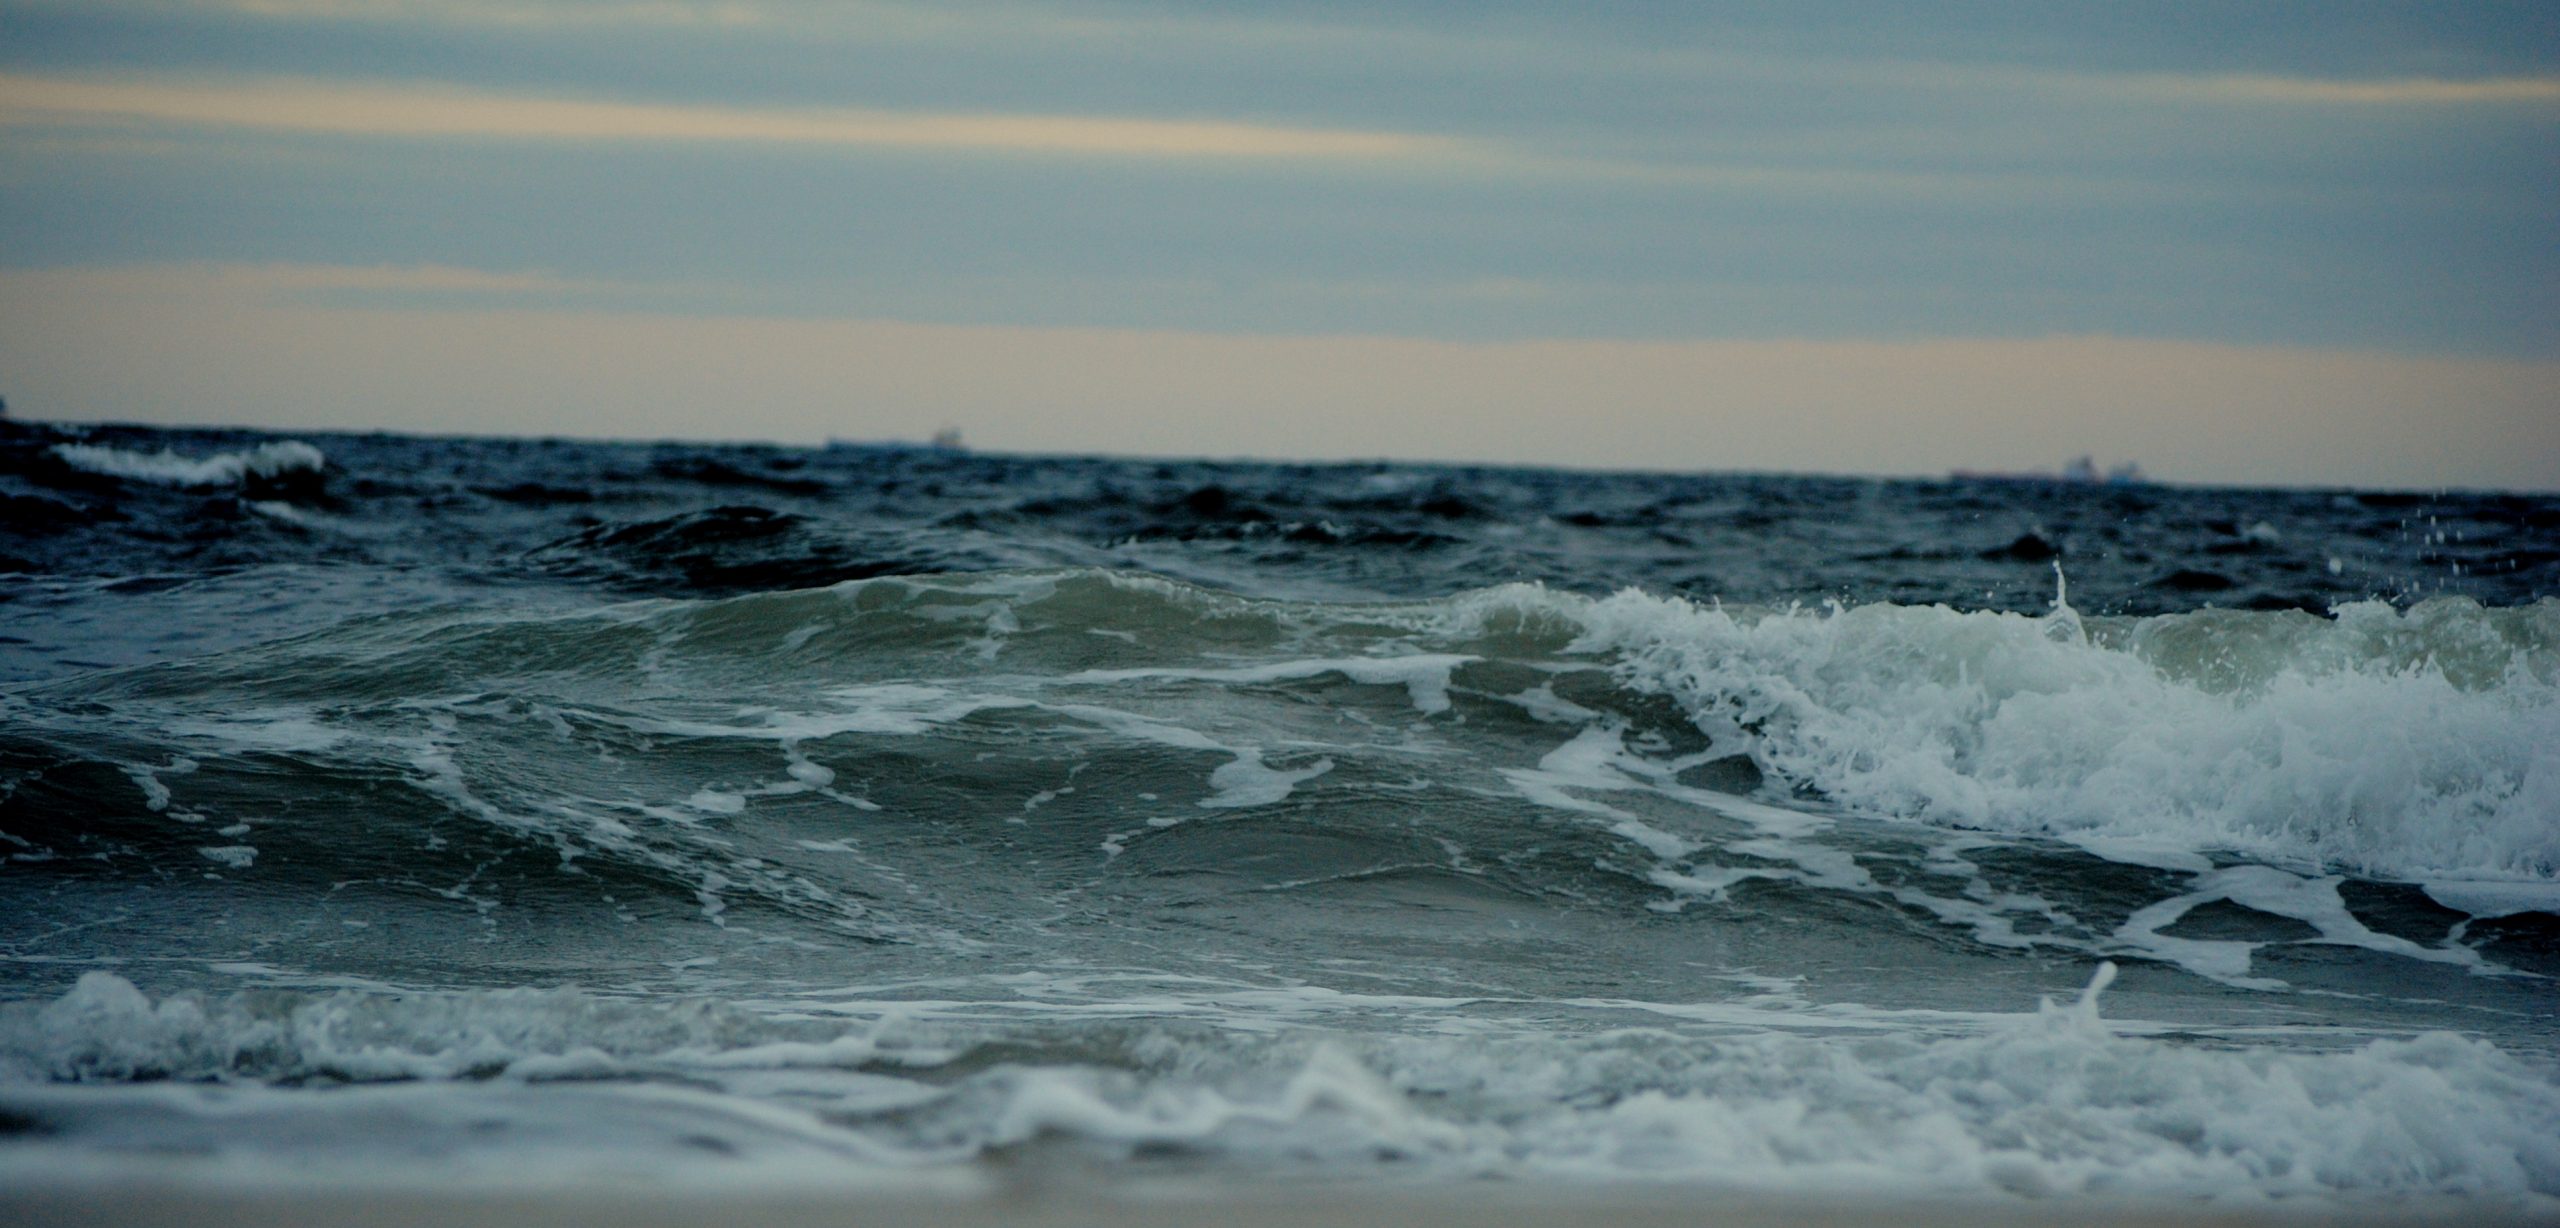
(707, 520)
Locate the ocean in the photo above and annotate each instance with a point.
(418, 813)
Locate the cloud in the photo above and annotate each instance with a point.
(430, 112)
(1596, 45)
(403, 111)
(2313, 91)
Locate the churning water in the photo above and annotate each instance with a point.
(407, 810)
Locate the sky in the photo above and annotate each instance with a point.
(2298, 243)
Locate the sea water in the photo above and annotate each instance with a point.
(422, 812)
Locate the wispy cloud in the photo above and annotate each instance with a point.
(2225, 89)
(364, 109)
(415, 112)
(2243, 89)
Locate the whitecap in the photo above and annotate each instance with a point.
(168, 468)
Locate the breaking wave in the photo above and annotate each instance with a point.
(2418, 745)
(266, 462)
(2395, 743)
(2052, 1102)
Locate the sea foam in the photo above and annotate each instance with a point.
(168, 468)
(2050, 1102)
(2413, 744)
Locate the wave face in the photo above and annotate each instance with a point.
(1073, 812)
(2394, 743)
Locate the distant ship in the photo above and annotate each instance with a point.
(2082, 471)
(945, 440)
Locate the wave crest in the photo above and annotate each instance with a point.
(264, 463)
(2412, 743)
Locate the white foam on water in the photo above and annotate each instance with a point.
(814, 775)
(2048, 1103)
(2312, 901)
(155, 792)
(2410, 744)
(1247, 781)
(1243, 781)
(283, 730)
(168, 468)
(1595, 760)
(2495, 899)
(286, 513)
(885, 708)
(1542, 703)
(2056, 1103)
(717, 801)
(1356, 1113)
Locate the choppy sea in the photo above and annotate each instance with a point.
(409, 811)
